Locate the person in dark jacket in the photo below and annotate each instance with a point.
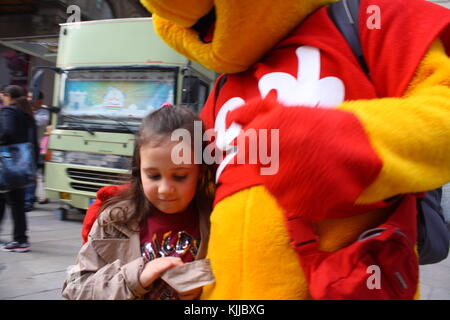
(16, 120)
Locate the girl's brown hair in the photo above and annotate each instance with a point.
(155, 128)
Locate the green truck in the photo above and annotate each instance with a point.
(109, 75)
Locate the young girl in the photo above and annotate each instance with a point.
(160, 222)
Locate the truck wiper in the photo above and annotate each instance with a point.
(117, 121)
(79, 119)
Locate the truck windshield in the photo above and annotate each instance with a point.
(114, 100)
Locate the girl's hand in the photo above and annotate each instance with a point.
(154, 268)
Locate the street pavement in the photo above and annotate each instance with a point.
(39, 274)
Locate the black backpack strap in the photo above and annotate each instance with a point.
(433, 234)
(345, 15)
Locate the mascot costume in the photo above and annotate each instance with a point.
(354, 148)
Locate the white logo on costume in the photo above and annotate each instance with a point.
(305, 90)
(226, 136)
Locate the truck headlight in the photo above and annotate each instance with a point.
(58, 156)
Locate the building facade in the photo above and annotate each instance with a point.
(29, 31)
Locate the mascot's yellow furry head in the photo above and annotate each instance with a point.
(219, 33)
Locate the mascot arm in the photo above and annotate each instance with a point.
(325, 159)
(362, 152)
(411, 134)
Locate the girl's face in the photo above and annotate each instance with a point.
(168, 186)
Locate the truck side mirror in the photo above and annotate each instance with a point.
(36, 84)
(191, 85)
(36, 81)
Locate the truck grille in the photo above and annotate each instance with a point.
(85, 187)
(96, 179)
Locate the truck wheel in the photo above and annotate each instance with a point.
(60, 214)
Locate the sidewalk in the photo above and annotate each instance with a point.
(39, 274)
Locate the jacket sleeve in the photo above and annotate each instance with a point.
(7, 125)
(91, 278)
(410, 134)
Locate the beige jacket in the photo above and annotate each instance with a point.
(108, 266)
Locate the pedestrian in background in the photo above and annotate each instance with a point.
(16, 120)
(42, 118)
